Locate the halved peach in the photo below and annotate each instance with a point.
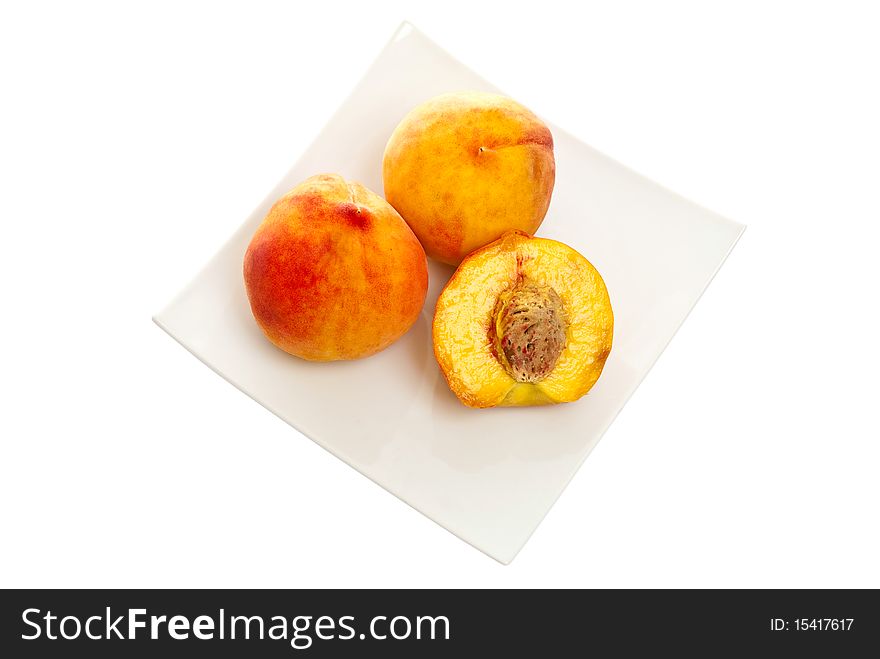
(523, 321)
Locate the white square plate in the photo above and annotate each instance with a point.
(489, 476)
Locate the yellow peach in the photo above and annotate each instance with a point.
(465, 167)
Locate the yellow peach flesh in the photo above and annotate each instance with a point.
(464, 342)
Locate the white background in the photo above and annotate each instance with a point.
(134, 139)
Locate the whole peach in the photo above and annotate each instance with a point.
(465, 167)
(333, 272)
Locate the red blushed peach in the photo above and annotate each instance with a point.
(333, 272)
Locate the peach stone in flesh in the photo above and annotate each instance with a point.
(529, 331)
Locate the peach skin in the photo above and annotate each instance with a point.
(465, 167)
(333, 272)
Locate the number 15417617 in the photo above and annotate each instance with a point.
(811, 624)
